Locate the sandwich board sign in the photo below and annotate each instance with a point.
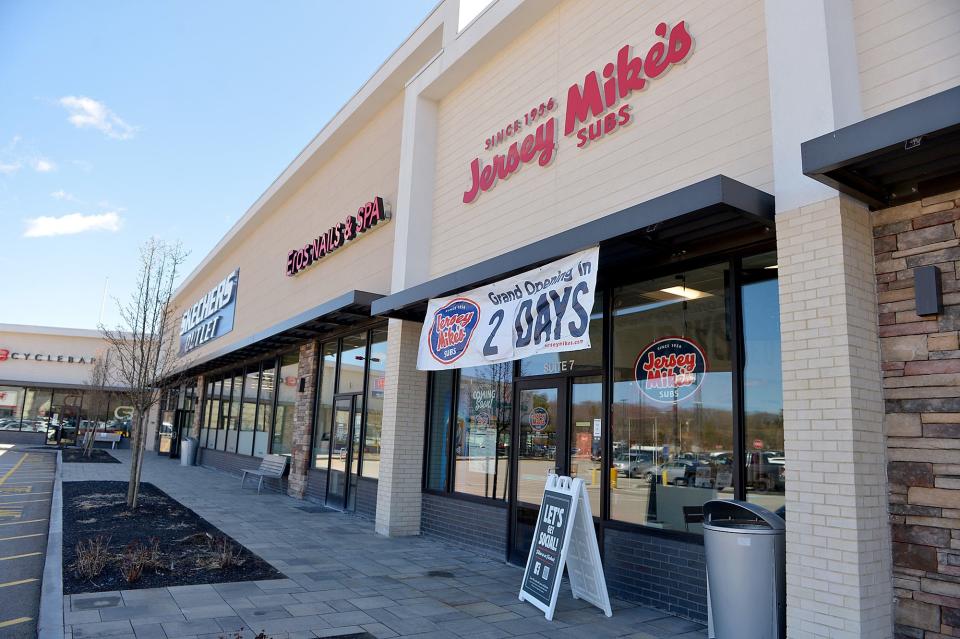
(564, 536)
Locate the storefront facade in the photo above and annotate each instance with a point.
(46, 391)
(736, 346)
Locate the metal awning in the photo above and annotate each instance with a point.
(713, 213)
(903, 155)
(340, 312)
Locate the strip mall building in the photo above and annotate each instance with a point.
(765, 188)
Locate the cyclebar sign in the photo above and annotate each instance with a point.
(7, 354)
(594, 109)
(546, 310)
(670, 369)
(211, 316)
(368, 216)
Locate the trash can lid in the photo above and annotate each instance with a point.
(740, 515)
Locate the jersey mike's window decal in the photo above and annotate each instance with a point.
(546, 310)
(539, 418)
(670, 370)
(453, 326)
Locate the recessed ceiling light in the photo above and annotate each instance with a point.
(685, 292)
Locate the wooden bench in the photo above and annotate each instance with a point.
(272, 466)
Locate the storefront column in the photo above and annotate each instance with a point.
(404, 415)
(200, 396)
(302, 422)
(838, 539)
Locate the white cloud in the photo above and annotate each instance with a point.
(8, 168)
(87, 112)
(42, 165)
(63, 195)
(47, 226)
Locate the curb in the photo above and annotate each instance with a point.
(50, 624)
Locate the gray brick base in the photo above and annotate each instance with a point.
(471, 524)
(661, 573)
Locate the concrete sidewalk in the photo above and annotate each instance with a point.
(343, 579)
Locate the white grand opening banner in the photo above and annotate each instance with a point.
(546, 310)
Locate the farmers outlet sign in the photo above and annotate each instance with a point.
(591, 111)
(368, 216)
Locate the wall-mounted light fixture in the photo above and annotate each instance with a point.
(927, 292)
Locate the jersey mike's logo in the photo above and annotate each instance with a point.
(453, 326)
(539, 418)
(4, 354)
(670, 370)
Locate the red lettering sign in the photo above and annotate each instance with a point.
(4, 354)
(368, 216)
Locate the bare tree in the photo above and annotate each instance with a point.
(97, 397)
(144, 344)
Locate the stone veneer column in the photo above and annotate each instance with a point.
(404, 418)
(303, 422)
(199, 397)
(921, 370)
(838, 542)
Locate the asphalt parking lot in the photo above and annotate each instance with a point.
(26, 484)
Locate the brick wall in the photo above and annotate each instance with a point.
(838, 539)
(316, 485)
(480, 527)
(921, 368)
(366, 502)
(663, 573)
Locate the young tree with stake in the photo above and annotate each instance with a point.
(97, 397)
(143, 344)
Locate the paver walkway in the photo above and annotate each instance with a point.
(343, 578)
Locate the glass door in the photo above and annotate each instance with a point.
(344, 451)
(542, 449)
(182, 425)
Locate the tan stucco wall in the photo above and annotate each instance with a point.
(48, 372)
(707, 116)
(366, 167)
(906, 49)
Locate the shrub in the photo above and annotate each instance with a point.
(92, 557)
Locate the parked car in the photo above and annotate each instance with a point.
(633, 464)
(766, 470)
(680, 472)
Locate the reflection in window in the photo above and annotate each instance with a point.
(286, 404)
(352, 358)
(482, 433)
(672, 435)
(586, 459)
(762, 383)
(322, 422)
(11, 407)
(214, 414)
(233, 423)
(265, 407)
(376, 382)
(248, 412)
(224, 419)
(441, 408)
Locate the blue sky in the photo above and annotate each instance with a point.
(122, 120)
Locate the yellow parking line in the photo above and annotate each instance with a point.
(18, 583)
(13, 622)
(21, 537)
(18, 489)
(15, 467)
(25, 494)
(25, 501)
(28, 521)
(29, 554)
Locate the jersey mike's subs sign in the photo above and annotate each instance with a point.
(595, 108)
(546, 310)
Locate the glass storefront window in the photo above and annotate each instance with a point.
(286, 404)
(762, 383)
(352, 358)
(376, 382)
(672, 431)
(481, 436)
(586, 458)
(36, 410)
(233, 423)
(11, 407)
(248, 411)
(268, 382)
(321, 437)
(214, 414)
(223, 419)
(207, 408)
(441, 409)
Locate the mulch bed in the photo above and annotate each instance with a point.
(189, 546)
(97, 456)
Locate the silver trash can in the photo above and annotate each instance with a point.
(188, 451)
(746, 571)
